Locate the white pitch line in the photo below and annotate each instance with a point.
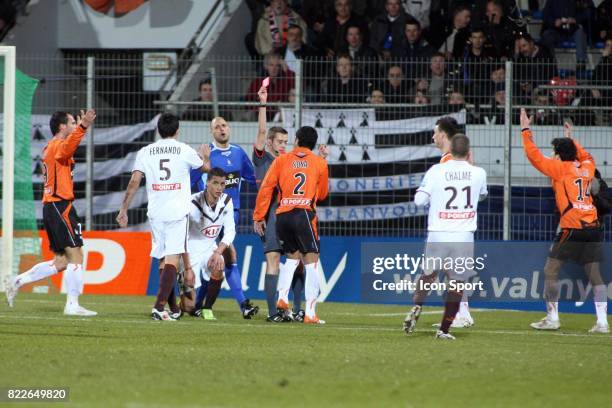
(327, 327)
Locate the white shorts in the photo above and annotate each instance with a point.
(198, 258)
(169, 237)
(449, 251)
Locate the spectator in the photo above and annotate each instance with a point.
(438, 79)
(204, 112)
(376, 97)
(544, 116)
(316, 12)
(457, 34)
(496, 112)
(273, 25)
(282, 81)
(364, 58)
(535, 65)
(395, 88)
(278, 117)
(603, 23)
(414, 48)
(333, 34)
(478, 60)
(344, 87)
(419, 9)
(387, 30)
(456, 98)
(561, 24)
(500, 30)
(603, 76)
(295, 49)
(420, 98)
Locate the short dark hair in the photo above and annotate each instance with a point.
(274, 130)
(292, 26)
(460, 145)
(306, 137)
(437, 54)
(565, 148)
(525, 36)
(478, 29)
(206, 81)
(448, 125)
(413, 21)
(216, 171)
(58, 118)
(167, 125)
(353, 25)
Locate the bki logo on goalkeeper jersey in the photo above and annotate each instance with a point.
(212, 231)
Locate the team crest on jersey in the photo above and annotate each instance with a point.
(226, 153)
(212, 231)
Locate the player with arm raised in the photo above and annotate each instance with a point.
(235, 162)
(211, 211)
(59, 216)
(302, 179)
(165, 165)
(580, 239)
(452, 189)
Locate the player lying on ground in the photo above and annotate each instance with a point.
(268, 146)
(571, 171)
(302, 179)
(59, 216)
(165, 165)
(234, 161)
(211, 212)
(452, 189)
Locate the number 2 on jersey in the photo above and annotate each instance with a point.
(166, 170)
(301, 181)
(453, 190)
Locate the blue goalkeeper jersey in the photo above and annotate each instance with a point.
(236, 164)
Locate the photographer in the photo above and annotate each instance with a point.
(499, 29)
(561, 23)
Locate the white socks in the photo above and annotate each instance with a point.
(74, 283)
(311, 288)
(552, 309)
(38, 272)
(464, 308)
(285, 277)
(600, 296)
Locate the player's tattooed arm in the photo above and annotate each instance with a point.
(260, 141)
(122, 218)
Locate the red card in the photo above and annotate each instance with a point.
(266, 82)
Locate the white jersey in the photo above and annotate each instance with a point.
(166, 165)
(206, 222)
(452, 190)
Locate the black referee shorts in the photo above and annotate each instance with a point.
(62, 226)
(297, 231)
(582, 246)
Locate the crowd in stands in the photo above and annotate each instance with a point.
(430, 53)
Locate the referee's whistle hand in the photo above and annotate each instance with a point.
(260, 228)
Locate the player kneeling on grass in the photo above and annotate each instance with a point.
(211, 212)
(580, 237)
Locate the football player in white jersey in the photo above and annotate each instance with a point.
(211, 212)
(165, 165)
(452, 189)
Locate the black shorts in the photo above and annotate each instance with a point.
(583, 246)
(62, 226)
(297, 231)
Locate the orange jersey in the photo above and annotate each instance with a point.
(301, 178)
(57, 166)
(571, 182)
(446, 157)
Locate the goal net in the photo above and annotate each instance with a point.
(20, 240)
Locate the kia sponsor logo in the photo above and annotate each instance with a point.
(212, 231)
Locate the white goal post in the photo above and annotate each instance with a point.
(8, 163)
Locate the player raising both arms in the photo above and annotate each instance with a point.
(234, 161)
(580, 238)
(59, 216)
(302, 179)
(165, 165)
(452, 189)
(211, 211)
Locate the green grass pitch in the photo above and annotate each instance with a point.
(360, 358)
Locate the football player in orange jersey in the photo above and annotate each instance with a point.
(59, 216)
(571, 171)
(301, 178)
